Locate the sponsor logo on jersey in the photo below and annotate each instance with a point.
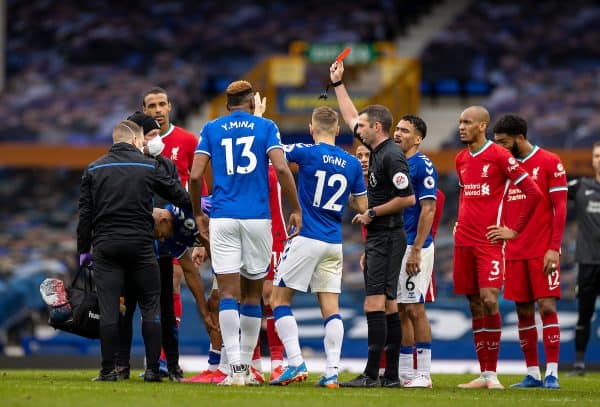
(477, 189)
(515, 194)
(589, 192)
(485, 189)
(560, 171)
(593, 207)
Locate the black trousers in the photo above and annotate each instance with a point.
(588, 289)
(170, 332)
(116, 262)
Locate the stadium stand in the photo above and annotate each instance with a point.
(85, 63)
(539, 60)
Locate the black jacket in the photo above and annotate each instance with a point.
(116, 198)
(171, 170)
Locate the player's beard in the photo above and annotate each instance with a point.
(515, 151)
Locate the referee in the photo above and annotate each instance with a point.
(585, 194)
(115, 218)
(389, 191)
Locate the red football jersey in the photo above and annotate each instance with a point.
(549, 174)
(277, 222)
(180, 146)
(483, 177)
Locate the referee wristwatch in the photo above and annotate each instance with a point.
(371, 212)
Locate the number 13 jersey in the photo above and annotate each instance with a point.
(238, 145)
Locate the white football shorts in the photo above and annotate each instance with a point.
(311, 263)
(241, 242)
(414, 289)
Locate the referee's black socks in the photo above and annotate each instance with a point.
(392, 345)
(377, 335)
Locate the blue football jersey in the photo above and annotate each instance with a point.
(327, 176)
(184, 231)
(423, 176)
(238, 145)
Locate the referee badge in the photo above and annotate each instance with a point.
(400, 180)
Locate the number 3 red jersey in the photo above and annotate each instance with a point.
(536, 238)
(483, 178)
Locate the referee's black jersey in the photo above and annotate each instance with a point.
(116, 197)
(388, 178)
(585, 192)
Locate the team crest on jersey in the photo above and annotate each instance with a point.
(400, 180)
(174, 153)
(534, 173)
(372, 180)
(484, 171)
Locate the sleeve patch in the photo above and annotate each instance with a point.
(429, 182)
(400, 180)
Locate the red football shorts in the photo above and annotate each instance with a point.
(275, 258)
(527, 282)
(477, 267)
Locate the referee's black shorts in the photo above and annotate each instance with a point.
(588, 279)
(383, 258)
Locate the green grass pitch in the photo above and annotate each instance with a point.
(74, 388)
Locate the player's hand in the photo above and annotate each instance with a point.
(413, 262)
(497, 233)
(199, 255)
(202, 225)
(336, 71)
(361, 262)
(294, 224)
(260, 105)
(209, 324)
(362, 218)
(551, 261)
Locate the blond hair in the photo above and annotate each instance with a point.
(326, 119)
(125, 131)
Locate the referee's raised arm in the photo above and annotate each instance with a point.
(347, 108)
